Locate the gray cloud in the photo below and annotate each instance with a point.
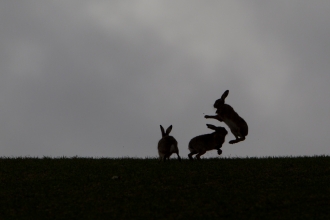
(97, 78)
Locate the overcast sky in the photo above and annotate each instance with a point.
(97, 78)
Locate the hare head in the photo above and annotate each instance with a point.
(220, 102)
(219, 134)
(167, 132)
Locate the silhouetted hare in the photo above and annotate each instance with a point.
(200, 144)
(227, 114)
(167, 145)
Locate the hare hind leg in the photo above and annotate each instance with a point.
(239, 133)
(163, 157)
(237, 140)
(179, 158)
(191, 154)
(198, 156)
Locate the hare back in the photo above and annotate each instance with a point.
(201, 143)
(168, 144)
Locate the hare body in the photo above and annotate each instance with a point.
(167, 145)
(225, 113)
(202, 143)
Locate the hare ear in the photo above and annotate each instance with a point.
(168, 130)
(212, 127)
(224, 95)
(162, 130)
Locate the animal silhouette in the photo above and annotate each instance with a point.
(225, 113)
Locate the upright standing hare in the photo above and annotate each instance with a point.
(226, 113)
(167, 145)
(200, 144)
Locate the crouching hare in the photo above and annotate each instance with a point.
(200, 144)
(227, 114)
(167, 145)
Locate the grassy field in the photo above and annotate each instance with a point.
(86, 188)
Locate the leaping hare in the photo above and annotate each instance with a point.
(227, 114)
(200, 144)
(167, 145)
